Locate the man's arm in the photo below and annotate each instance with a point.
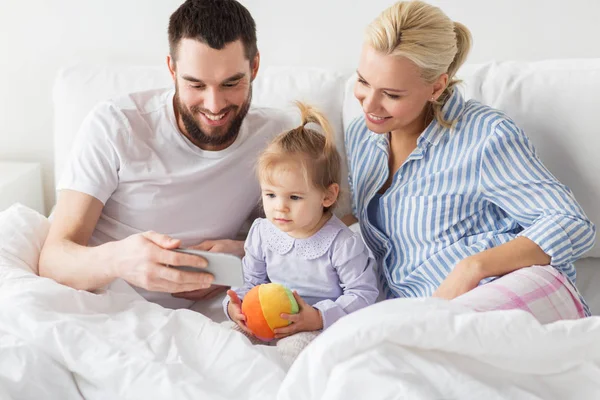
(140, 259)
(65, 257)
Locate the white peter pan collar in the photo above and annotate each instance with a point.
(308, 248)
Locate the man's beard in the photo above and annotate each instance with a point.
(221, 135)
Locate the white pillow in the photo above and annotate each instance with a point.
(351, 108)
(279, 87)
(22, 234)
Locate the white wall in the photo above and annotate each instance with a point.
(502, 29)
(39, 36)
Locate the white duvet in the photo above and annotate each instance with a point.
(59, 343)
(429, 349)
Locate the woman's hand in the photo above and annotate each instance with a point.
(464, 277)
(520, 252)
(308, 319)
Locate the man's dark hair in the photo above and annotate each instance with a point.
(215, 23)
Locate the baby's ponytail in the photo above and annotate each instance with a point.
(315, 152)
(308, 115)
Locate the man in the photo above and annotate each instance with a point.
(157, 170)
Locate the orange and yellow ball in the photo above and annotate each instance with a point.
(264, 304)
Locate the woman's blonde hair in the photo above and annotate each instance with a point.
(426, 36)
(313, 151)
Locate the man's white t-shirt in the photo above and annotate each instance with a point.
(131, 155)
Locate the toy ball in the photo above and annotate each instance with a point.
(264, 304)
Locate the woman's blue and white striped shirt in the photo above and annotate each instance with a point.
(459, 192)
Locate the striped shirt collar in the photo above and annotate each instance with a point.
(452, 109)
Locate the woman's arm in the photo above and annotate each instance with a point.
(514, 178)
(518, 253)
(556, 230)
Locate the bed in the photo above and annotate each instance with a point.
(57, 342)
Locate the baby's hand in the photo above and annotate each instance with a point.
(308, 319)
(234, 309)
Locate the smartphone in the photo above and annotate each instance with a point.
(226, 268)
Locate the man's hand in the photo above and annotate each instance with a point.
(234, 309)
(202, 294)
(235, 247)
(143, 260)
(217, 246)
(308, 319)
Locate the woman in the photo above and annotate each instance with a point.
(450, 194)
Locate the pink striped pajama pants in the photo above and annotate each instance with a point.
(540, 290)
